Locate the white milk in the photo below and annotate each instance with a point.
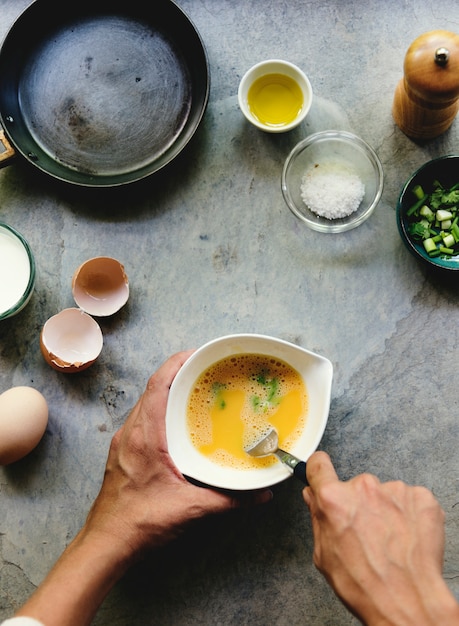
(14, 270)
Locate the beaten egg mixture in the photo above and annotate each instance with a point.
(235, 401)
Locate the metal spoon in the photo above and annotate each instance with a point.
(269, 444)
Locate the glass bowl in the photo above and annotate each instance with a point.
(338, 151)
(445, 170)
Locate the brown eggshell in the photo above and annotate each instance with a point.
(100, 286)
(23, 421)
(71, 341)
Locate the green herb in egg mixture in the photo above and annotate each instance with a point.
(268, 396)
(433, 219)
(217, 390)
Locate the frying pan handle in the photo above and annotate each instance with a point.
(8, 151)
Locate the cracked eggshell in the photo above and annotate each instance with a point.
(100, 286)
(23, 421)
(71, 341)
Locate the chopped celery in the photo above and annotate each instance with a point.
(418, 192)
(429, 245)
(433, 219)
(417, 205)
(448, 241)
(427, 213)
(443, 215)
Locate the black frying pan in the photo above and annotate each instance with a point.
(101, 92)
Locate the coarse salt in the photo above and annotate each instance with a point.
(332, 190)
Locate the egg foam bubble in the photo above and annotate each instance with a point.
(237, 400)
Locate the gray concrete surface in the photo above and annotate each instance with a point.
(210, 248)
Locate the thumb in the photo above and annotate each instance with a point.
(320, 471)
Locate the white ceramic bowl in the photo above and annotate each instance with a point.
(274, 66)
(317, 373)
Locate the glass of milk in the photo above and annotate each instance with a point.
(17, 272)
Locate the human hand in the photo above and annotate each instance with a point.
(144, 500)
(380, 546)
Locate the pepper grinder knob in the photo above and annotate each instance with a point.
(426, 99)
(441, 56)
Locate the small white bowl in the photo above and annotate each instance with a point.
(317, 373)
(274, 66)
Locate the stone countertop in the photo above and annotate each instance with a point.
(211, 249)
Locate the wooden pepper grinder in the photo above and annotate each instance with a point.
(426, 98)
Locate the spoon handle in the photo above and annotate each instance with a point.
(298, 467)
(300, 472)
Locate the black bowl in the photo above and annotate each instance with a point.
(446, 170)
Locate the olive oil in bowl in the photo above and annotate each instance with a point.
(275, 99)
(275, 95)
